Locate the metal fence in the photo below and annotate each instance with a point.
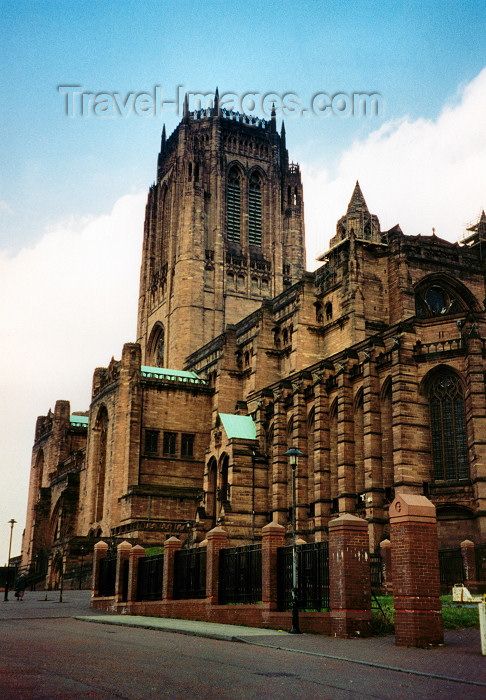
(480, 554)
(190, 573)
(149, 579)
(107, 575)
(451, 568)
(376, 570)
(313, 577)
(240, 574)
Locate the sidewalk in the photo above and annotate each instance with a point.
(459, 659)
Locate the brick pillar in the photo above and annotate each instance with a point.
(468, 562)
(349, 575)
(135, 554)
(273, 537)
(171, 546)
(122, 556)
(386, 565)
(217, 539)
(415, 559)
(99, 552)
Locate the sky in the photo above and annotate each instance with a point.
(73, 181)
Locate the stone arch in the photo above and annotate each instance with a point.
(440, 294)
(100, 436)
(211, 500)
(156, 346)
(445, 391)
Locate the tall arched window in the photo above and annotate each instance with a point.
(448, 427)
(101, 428)
(233, 205)
(156, 346)
(255, 211)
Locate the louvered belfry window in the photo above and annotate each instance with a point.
(448, 426)
(255, 211)
(233, 206)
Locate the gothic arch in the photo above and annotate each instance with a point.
(234, 192)
(445, 391)
(156, 346)
(440, 294)
(211, 500)
(100, 435)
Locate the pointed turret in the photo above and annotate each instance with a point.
(282, 132)
(185, 110)
(216, 101)
(163, 140)
(357, 222)
(357, 202)
(273, 119)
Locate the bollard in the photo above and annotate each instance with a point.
(482, 624)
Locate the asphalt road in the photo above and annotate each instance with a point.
(44, 653)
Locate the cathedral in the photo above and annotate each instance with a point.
(373, 366)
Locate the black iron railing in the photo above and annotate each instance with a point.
(451, 568)
(107, 575)
(240, 574)
(190, 573)
(376, 570)
(149, 580)
(313, 577)
(480, 553)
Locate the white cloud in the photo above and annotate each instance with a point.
(420, 174)
(66, 306)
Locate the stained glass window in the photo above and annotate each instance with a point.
(448, 427)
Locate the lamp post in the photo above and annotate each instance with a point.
(293, 454)
(12, 523)
(82, 549)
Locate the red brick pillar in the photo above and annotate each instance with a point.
(386, 565)
(415, 561)
(122, 559)
(273, 537)
(468, 562)
(217, 539)
(99, 552)
(349, 575)
(135, 554)
(171, 546)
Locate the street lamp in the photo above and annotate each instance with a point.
(293, 454)
(12, 523)
(82, 549)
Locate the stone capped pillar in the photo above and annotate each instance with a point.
(122, 563)
(415, 562)
(100, 551)
(273, 537)
(386, 565)
(468, 562)
(135, 553)
(171, 546)
(217, 539)
(349, 576)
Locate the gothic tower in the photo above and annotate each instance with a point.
(224, 230)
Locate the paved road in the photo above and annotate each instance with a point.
(47, 654)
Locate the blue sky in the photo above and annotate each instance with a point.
(72, 190)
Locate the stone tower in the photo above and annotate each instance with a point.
(224, 230)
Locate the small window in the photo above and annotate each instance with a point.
(187, 445)
(151, 442)
(170, 444)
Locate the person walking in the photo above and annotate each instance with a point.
(20, 587)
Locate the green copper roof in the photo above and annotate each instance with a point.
(238, 426)
(78, 420)
(170, 374)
